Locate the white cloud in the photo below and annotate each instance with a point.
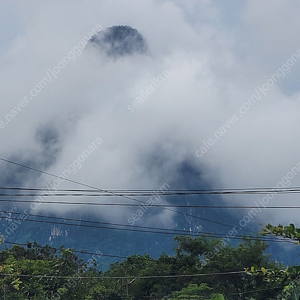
(210, 78)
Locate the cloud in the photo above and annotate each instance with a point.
(210, 78)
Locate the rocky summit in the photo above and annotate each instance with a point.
(119, 41)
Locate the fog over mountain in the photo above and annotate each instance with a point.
(119, 41)
(215, 92)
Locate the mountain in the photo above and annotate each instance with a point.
(117, 41)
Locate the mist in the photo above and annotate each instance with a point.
(206, 61)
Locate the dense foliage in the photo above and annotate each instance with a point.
(201, 268)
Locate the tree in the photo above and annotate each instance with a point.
(192, 291)
(289, 278)
(220, 257)
(41, 272)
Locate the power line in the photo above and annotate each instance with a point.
(126, 197)
(103, 227)
(164, 230)
(129, 277)
(170, 232)
(141, 193)
(150, 205)
(75, 251)
(94, 222)
(118, 224)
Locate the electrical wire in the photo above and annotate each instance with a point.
(75, 251)
(129, 277)
(91, 222)
(150, 205)
(126, 197)
(170, 232)
(142, 193)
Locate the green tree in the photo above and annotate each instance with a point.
(192, 291)
(220, 257)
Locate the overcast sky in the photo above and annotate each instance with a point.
(216, 54)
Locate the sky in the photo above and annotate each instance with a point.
(226, 99)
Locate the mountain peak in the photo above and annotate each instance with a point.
(119, 41)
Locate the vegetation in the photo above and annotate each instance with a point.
(201, 268)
